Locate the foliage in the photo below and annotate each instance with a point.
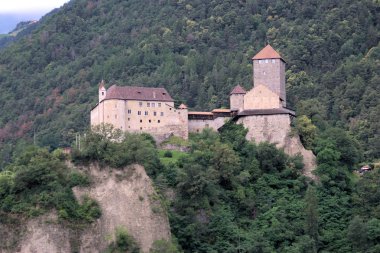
(109, 146)
(306, 130)
(162, 246)
(232, 195)
(124, 242)
(38, 182)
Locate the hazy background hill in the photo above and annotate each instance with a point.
(198, 50)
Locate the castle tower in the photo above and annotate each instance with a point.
(102, 91)
(237, 98)
(269, 70)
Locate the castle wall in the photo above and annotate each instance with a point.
(271, 128)
(197, 125)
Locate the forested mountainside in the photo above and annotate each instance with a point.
(225, 194)
(198, 50)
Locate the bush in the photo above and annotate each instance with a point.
(123, 243)
(39, 181)
(108, 146)
(168, 153)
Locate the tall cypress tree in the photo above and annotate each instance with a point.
(311, 215)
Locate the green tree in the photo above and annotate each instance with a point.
(306, 130)
(311, 216)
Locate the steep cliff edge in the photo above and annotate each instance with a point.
(277, 129)
(127, 199)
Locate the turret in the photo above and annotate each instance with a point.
(237, 98)
(102, 91)
(269, 70)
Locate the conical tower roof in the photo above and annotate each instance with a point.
(238, 90)
(101, 85)
(267, 53)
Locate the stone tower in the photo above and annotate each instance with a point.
(269, 70)
(102, 91)
(237, 98)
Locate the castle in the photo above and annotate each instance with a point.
(262, 110)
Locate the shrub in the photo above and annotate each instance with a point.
(124, 242)
(168, 153)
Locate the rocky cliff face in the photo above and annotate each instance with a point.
(127, 199)
(276, 129)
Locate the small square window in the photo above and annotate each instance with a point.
(139, 113)
(146, 113)
(154, 113)
(129, 111)
(159, 104)
(148, 104)
(140, 120)
(153, 105)
(140, 104)
(162, 113)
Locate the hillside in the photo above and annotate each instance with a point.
(225, 194)
(198, 50)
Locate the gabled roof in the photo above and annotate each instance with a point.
(138, 93)
(238, 90)
(182, 106)
(267, 53)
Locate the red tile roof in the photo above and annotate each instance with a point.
(138, 93)
(267, 53)
(238, 90)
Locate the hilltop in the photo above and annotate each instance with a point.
(198, 51)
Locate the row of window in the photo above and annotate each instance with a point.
(267, 61)
(148, 104)
(150, 121)
(146, 113)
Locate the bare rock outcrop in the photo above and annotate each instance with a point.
(127, 199)
(293, 146)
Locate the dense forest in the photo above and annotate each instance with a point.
(198, 50)
(225, 194)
